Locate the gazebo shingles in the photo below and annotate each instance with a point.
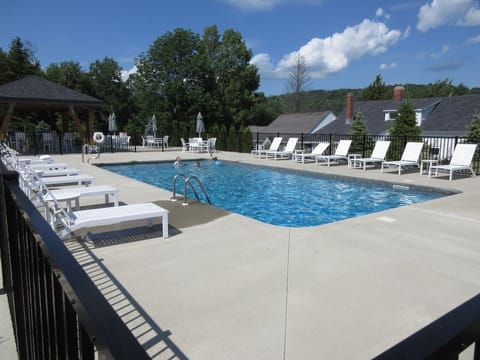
(34, 89)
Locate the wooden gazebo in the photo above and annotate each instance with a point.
(33, 93)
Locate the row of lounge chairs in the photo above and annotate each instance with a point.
(461, 158)
(35, 177)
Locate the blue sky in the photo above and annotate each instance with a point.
(344, 44)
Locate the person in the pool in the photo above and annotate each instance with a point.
(178, 161)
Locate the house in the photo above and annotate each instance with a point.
(441, 116)
(297, 123)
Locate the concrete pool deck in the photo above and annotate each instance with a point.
(233, 288)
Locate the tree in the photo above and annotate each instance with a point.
(69, 74)
(296, 86)
(473, 135)
(376, 90)
(21, 60)
(168, 76)
(359, 133)
(404, 128)
(236, 79)
(105, 77)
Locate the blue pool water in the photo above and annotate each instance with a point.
(276, 196)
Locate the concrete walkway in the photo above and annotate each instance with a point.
(236, 288)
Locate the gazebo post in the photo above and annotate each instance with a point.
(91, 117)
(7, 117)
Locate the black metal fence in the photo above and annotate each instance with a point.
(438, 148)
(56, 310)
(51, 142)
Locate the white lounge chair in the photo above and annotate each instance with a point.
(410, 157)
(378, 155)
(87, 191)
(68, 180)
(263, 146)
(71, 221)
(461, 160)
(318, 150)
(49, 166)
(274, 146)
(287, 152)
(59, 172)
(76, 220)
(341, 153)
(184, 145)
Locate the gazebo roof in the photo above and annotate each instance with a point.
(35, 92)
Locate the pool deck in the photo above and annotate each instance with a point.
(229, 287)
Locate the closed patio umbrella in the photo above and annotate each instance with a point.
(112, 123)
(200, 128)
(154, 125)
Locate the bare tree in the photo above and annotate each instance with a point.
(297, 85)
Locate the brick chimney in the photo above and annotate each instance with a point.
(398, 93)
(349, 109)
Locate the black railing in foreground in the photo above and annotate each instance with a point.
(445, 338)
(56, 310)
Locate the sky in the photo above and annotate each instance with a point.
(344, 44)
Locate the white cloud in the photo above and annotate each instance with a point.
(332, 54)
(126, 73)
(255, 4)
(407, 32)
(474, 40)
(266, 4)
(472, 17)
(443, 12)
(380, 13)
(388, 66)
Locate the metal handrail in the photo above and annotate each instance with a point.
(188, 182)
(174, 195)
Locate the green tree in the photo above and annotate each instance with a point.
(361, 140)
(222, 138)
(168, 76)
(106, 82)
(69, 74)
(232, 140)
(404, 128)
(21, 60)
(473, 135)
(405, 123)
(376, 90)
(230, 81)
(247, 142)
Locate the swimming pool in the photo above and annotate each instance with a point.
(277, 196)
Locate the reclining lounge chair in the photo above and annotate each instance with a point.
(410, 157)
(76, 220)
(318, 150)
(461, 160)
(287, 152)
(341, 153)
(274, 146)
(378, 155)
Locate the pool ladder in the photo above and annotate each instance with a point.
(188, 182)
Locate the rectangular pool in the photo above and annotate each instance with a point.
(277, 196)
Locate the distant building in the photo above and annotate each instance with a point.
(297, 123)
(441, 116)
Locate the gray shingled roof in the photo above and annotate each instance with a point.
(303, 123)
(34, 89)
(449, 115)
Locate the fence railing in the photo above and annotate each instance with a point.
(438, 148)
(56, 310)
